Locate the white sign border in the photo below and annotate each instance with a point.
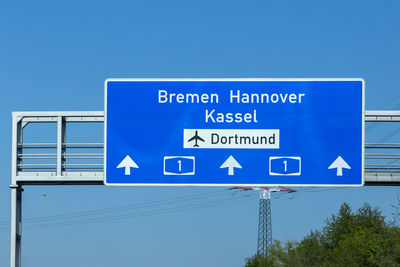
(238, 80)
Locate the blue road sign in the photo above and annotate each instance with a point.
(230, 132)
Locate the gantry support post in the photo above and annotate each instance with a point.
(16, 226)
(16, 194)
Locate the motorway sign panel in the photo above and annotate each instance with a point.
(230, 132)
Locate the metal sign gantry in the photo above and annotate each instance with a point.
(64, 163)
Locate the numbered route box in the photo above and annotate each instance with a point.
(179, 165)
(284, 166)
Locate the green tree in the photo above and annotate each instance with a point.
(361, 238)
(396, 212)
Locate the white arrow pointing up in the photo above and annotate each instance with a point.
(230, 163)
(339, 164)
(127, 163)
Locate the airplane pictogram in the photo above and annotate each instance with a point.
(196, 138)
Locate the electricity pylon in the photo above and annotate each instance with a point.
(264, 240)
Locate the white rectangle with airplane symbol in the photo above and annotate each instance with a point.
(231, 138)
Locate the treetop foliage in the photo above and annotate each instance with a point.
(360, 238)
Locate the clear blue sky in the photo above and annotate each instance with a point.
(55, 55)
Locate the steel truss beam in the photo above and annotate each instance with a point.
(382, 115)
(388, 173)
(61, 172)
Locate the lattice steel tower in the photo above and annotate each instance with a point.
(264, 223)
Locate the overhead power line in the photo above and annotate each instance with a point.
(141, 210)
(186, 207)
(396, 107)
(121, 208)
(127, 207)
(390, 135)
